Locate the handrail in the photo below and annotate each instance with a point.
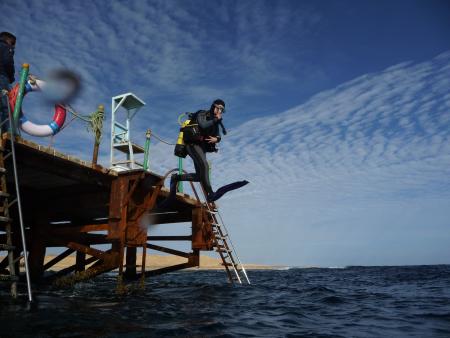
(19, 204)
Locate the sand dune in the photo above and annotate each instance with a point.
(158, 261)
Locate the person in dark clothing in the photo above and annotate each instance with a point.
(7, 45)
(208, 122)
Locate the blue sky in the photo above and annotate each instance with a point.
(338, 111)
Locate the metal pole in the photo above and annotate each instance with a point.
(180, 171)
(148, 135)
(20, 94)
(180, 159)
(19, 206)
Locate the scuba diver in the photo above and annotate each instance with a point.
(198, 136)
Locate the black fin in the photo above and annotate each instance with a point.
(226, 188)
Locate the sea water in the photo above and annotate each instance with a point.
(410, 301)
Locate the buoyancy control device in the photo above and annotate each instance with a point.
(189, 133)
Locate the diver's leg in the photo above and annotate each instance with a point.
(201, 166)
(175, 178)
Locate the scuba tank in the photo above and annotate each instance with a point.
(180, 148)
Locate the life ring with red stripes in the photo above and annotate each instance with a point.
(40, 130)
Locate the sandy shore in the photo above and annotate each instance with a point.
(159, 261)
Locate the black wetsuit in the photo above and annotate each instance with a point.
(209, 126)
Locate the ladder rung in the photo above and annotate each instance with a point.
(8, 278)
(4, 194)
(222, 235)
(222, 251)
(7, 247)
(226, 264)
(222, 248)
(5, 219)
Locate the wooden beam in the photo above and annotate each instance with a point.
(58, 258)
(167, 269)
(168, 250)
(68, 270)
(182, 215)
(169, 238)
(58, 240)
(87, 250)
(68, 229)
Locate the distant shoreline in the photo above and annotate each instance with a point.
(154, 261)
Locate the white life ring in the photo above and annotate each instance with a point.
(40, 130)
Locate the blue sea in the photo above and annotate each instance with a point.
(410, 301)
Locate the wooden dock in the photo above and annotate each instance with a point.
(77, 206)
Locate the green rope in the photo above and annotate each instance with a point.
(95, 124)
(94, 121)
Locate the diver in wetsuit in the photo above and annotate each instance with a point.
(208, 122)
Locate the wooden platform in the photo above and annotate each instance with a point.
(75, 205)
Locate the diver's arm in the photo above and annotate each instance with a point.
(8, 62)
(213, 139)
(203, 122)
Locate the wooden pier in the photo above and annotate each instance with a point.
(75, 205)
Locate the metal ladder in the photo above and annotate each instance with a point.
(5, 204)
(224, 246)
(5, 222)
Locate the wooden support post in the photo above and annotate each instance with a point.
(144, 256)
(201, 231)
(80, 264)
(130, 272)
(118, 218)
(37, 249)
(194, 259)
(36, 259)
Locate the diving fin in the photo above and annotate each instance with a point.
(226, 188)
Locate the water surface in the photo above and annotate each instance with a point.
(352, 302)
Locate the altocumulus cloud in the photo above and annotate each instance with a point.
(174, 55)
(355, 175)
(370, 155)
